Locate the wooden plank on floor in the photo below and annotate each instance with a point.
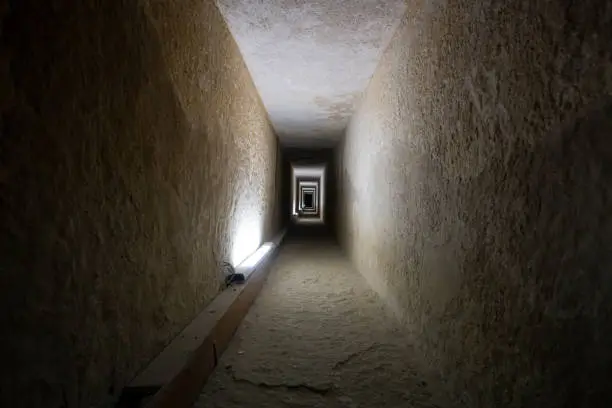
(183, 388)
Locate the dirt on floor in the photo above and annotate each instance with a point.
(317, 336)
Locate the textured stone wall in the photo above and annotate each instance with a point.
(476, 184)
(136, 156)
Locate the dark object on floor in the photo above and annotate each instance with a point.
(136, 397)
(231, 276)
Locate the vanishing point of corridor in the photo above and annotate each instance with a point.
(306, 203)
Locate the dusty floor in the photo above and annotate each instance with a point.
(317, 336)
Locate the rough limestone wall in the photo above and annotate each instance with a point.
(476, 183)
(136, 156)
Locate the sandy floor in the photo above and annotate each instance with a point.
(317, 336)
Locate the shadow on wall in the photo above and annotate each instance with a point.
(532, 322)
(117, 203)
(482, 221)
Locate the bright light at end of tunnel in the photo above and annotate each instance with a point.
(257, 256)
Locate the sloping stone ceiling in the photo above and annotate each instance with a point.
(311, 60)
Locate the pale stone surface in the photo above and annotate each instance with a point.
(317, 336)
(311, 59)
(475, 190)
(136, 156)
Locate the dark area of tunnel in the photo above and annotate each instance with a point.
(307, 157)
(298, 194)
(103, 176)
(309, 199)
